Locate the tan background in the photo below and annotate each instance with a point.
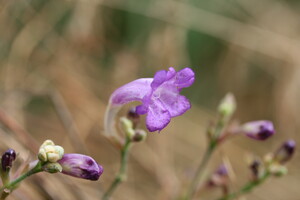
(60, 60)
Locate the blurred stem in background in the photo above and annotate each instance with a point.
(226, 108)
(248, 187)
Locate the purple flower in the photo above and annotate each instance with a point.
(7, 158)
(160, 98)
(80, 166)
(285, 152)
(258, 130)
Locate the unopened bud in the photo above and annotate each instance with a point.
(127, 126)
(255, 167)
(227, 105)
(7, 159)
(219, 177)
(139, 135)
(81, 166)
(258, 130)
(52, 167)
(285, 152)
(278, 170)
(134, 117)
(49, 152)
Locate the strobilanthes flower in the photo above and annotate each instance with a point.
(7, 158)
(80, 166)
(258, 130)
(160, 99)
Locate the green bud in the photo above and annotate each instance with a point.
(52, 167)
(278, 170)
(227, 105)
(127, 126)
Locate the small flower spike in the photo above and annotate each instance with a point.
(258, 130)
(80, 166)
(160, 97)
(7, 159)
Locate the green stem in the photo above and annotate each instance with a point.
(208, 153)
(198, 175)
(13, 184)
(121, 176)
(247, 188)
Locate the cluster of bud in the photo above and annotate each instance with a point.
(274, 162)
(49, 152)
(129, 126)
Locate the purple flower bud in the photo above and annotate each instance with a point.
(285, 152)
(80, 166)
(258, 130)
(7, 158)
(255, 167)
(219, 177)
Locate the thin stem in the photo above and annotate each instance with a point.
(247, 188)
(198, 174)
(121, 176)
(208, 153)
(13, 184)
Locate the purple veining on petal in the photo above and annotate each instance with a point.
(81, 166)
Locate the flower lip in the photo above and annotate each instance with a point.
(81, 166)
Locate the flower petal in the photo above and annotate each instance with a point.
(157, 117)
(175, 103)
(133, 91)
(184, 78)
(162, 76)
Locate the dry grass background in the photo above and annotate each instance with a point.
(60, 60)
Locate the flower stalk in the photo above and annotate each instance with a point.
(121, 176)
(198, 175)
(9, 187)
(248, 187)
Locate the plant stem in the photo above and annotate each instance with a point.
(198, 174)
(121, 176)
(208, 153)
(247, 188)
(13, 184)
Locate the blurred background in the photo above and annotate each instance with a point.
(61, 60)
